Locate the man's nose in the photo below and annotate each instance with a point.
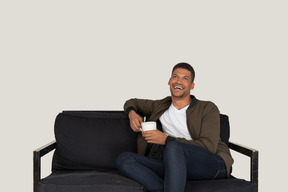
(179, 80)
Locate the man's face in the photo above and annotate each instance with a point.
(181, 83)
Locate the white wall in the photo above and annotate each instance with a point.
(93, 55)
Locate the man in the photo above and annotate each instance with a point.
(186, 144)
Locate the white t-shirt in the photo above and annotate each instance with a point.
(174, 122)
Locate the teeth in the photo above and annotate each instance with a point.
(177, 87)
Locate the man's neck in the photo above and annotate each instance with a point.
(180, 103)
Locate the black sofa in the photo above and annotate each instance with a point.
(87, 144)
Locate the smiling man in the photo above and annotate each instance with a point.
(186, 144)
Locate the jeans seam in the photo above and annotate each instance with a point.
(216, 175)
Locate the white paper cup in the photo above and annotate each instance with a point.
(148, 126)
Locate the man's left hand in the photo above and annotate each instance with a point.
(155, 136)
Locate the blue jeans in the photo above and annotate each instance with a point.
(181, 162)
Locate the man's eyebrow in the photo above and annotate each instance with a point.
(183, 76)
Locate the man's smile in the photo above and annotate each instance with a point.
(178, 87)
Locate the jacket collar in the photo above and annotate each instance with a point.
(193, 102)
(168, 101)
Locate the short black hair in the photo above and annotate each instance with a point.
(187, 66)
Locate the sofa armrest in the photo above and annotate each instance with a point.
(37, 154)
(254, 159)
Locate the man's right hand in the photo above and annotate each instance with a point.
(135, 121)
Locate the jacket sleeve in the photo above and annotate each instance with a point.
(208, 133)
(143, 106)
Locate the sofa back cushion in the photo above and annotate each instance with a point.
(224, 128)
(91, 140)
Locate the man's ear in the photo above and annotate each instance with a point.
(192, 86)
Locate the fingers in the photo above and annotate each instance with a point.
(155, 136)
(148, 135)
(138, 122)
(135, 121)
(136, 125)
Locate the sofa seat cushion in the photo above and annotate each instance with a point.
(88, 181)
(221, 185)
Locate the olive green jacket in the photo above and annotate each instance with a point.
(203, 124)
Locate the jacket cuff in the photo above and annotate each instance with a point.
(129, 109)
(169, 139)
